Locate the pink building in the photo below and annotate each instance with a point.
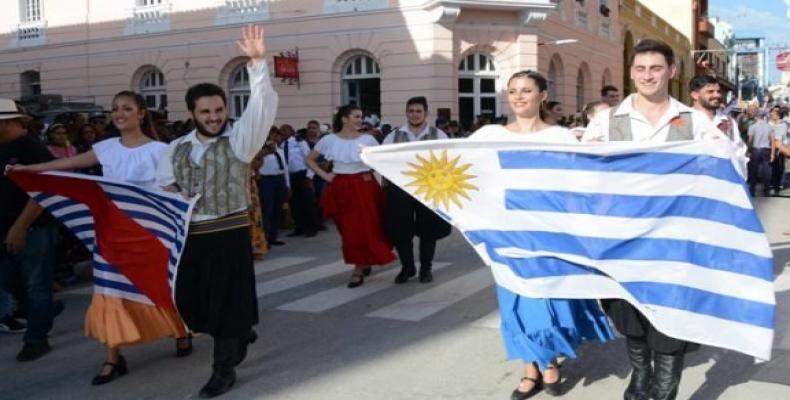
(377, 53)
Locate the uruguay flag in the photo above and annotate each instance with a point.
(136, 235)
(668, 227)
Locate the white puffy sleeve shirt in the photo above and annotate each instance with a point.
(345, 153)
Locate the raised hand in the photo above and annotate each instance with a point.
(252, 43)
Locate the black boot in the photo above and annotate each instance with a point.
(639, 354)
(405, 251)
(668, 369)
(223, 376)
(427, 251)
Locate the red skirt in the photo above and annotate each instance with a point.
(356, 203)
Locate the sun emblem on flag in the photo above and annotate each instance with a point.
(441, 181)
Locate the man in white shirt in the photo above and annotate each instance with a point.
(706, 97)
(650, 115)
(404, 216)
(215, 285)
(760, 137)
(273, 185)
(303, 204)
(610, 95)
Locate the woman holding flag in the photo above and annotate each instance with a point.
(115, 317)
(534, 330)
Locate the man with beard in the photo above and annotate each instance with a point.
(215, 286)
(706, 97)
(404, 216)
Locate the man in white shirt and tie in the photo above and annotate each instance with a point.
(304, 208)
(273, 183)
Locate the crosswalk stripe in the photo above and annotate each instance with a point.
(279, 263)
(490, 320)
(431, 301)
(340, 295)
(302, 278)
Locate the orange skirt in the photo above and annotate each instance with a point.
(119, 322)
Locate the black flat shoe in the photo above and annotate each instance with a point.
(356, 281)
(553, 388)
(426, 276)
(181, 350)
(519, 395)
(219, 383)
(116, 369)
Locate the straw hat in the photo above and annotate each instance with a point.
(9, 110)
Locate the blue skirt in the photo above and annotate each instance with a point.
(540, 330)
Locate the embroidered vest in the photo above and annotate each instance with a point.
(403, 137)
(620, 128)
(222, 180)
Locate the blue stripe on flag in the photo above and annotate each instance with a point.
(703, 255)
(60, 204)
(125, 287)
(75, 229)
(703, 302)
(135, 200)
(105, 267)
(183, 206)
(75, 215)
(540, 267)
(645, 163)
(629, 206)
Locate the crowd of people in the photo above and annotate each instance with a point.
(318, 173)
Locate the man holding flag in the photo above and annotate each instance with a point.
(215, 286)
(650, 115)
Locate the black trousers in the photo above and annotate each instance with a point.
(760, 168)
(634, 325)
(303, 203)
(405, 251)
(777, 171)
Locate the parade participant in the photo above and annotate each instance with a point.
(610, 95)
(537, 331)
(404, 216)
(302, 202)
(650, 115)
(777, 159)
(274, 184)
(353, 197)
(58, 142)
(706, 98)
(215, 287)
(131, 158)
(28, 238)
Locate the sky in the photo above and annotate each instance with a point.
(763, 18)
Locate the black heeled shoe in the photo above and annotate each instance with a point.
(117, 369)
(554, 388)
(356, 281)
(519, 395)
(183, 351)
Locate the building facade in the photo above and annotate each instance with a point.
(376, 53)
(639, 22)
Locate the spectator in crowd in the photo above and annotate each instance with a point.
(302, 202)
(58, 142)
(780, 135)
(453, 129)
(590, 111)
(759, 142)
(610, 95)
(554, 115)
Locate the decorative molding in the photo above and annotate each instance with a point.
(33, 33)
(241, 11)
(149, 19)
(348, 6)
(531, 18)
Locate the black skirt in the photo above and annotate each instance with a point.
(215, 286)
(632, 323)
(405, 217)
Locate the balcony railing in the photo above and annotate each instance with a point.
(32, 33)
(148, 19)
(239, 11)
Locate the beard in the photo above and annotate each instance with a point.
(712, 104)
(205, 132)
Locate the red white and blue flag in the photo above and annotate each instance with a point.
(136, 235)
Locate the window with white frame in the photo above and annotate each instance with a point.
(361, 80)
(153, 89)
(477, 88)
(32, 25)
(239, 90)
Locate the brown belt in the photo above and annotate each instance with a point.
(226, 223)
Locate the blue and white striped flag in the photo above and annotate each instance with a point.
(136, 235)
(668, 227)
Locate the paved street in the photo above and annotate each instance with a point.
(320, 340)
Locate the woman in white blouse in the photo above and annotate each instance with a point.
(353, 197)
(131, 158)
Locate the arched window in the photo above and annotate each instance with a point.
(239, 90)
(361, 81)
(580, 100)
(153, 89)
(552, 78)
(477, 88)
